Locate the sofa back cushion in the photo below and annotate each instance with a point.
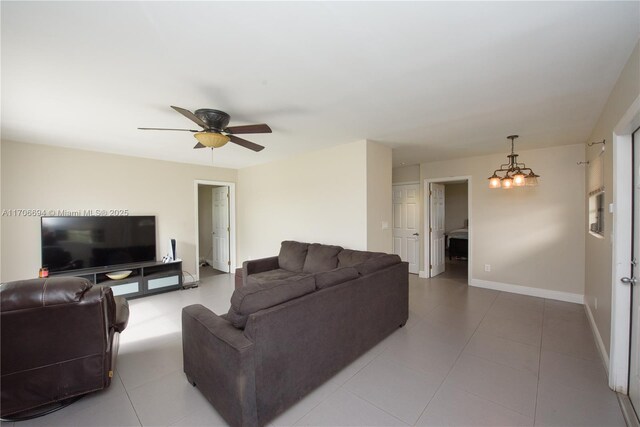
(292, 255)
(36, 293)
(321, 258)
(350, 258)
(258, 296)
(330, 278)
(377, 263)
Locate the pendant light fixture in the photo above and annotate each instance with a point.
(513, 174)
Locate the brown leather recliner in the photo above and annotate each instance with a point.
(59, 339)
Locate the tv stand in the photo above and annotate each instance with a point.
(146, 278)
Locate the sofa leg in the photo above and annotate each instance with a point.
(191, 381)
(402, 324)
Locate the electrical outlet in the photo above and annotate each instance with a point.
(596, 303)
(487, 267)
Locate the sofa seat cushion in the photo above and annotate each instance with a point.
(271, 275)
(321, 258)
(258, 296)
(377, 263)
(330, 278)
(350, 258)
(292, 255)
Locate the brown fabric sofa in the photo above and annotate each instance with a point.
(298, 320)
(59, 340)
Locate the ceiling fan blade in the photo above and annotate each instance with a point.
(246, 144)
(259, 128)
(189, 115)
(185, 130)
(198, 145)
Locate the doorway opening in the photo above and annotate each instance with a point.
(447, 223)
(215, 227)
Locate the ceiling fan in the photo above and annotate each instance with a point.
(215, 133)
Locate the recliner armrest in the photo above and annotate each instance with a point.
(258, 266)
(122, 314)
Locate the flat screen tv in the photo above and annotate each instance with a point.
(79, 242)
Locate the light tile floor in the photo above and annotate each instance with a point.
(467, 357)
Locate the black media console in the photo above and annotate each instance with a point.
(146, 278)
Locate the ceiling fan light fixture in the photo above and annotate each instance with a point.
(211, 139)
(215, 133)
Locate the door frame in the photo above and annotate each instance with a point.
(426, 220)
(621, 235)
(232, 221)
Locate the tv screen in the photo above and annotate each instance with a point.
(78, 242)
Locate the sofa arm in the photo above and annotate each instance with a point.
(122, 313)
(219, 360)
(258, 266)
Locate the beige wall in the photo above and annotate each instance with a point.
(46, 177)
(531, 237)
(455, 207)
(403, 174)
(379, 227)
(598, 251)
(340, 195)
(314, 197)
(205, 221)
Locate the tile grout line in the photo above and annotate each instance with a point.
(504, 364)
(492, 401)
(501, 364)
(458, 357)
(376, 406)
(378, 355)
(513, 341)
(535, 406)
(340, 386)
(129, 397)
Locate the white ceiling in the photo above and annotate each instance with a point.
(432, 80)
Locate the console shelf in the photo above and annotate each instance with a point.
(146, 278)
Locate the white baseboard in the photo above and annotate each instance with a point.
(526, 290)
(422, 274)
(598, 338)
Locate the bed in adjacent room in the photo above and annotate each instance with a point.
(458, 243)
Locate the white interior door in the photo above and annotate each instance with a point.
(405, 224)
(634, 373)
(220, 233)
(436, 228)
